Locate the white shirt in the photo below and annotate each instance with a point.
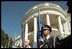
(28, 46)
(47, 37)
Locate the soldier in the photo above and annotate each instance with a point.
(48, 41)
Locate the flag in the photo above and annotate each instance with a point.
(39, 23)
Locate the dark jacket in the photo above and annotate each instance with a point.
(52, 42)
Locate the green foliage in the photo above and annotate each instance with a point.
(5, 40)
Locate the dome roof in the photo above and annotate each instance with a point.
(42, 7)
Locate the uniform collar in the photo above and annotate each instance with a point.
(47, 37)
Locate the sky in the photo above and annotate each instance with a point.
(12, 13)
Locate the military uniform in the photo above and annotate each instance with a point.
(49, 41)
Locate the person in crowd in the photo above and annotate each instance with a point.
(27, 44)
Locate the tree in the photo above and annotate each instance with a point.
(69, 6)
(6, 41)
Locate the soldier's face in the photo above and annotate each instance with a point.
(45, 32)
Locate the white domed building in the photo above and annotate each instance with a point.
(50, 14)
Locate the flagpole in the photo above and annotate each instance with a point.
(39, 27)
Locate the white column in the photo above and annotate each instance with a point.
(35, 33)
(60, 26)
(66, 28)
(26, 31)
(48, 19)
